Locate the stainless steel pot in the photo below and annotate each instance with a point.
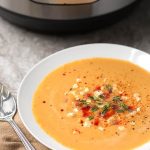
(53, 16)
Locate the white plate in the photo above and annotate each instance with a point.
(39, 71)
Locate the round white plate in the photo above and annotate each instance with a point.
(39, 71)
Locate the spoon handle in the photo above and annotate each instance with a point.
(22, 137)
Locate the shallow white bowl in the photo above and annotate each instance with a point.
(39, 71)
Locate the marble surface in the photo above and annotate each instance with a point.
(20, 49)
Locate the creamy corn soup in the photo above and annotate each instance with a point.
(95, 104)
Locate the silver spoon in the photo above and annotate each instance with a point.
(7, 111)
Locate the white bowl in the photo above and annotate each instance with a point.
(39, 71)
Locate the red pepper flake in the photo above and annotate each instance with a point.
(96, 121)
(87, 108)
(77, 103)
(131, 108)
(118, 122)
(81, 121)
(109, 113)
(106, 95)
(97, 88)
(85, 111)
(87, 95)
(115, 107)
(123, 94)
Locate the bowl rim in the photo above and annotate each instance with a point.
(67, 51)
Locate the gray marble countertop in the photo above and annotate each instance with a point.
(20, 49)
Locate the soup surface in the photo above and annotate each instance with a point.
(95, 103)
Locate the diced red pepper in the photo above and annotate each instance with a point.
(77, 103)
(109, 113)
(86, 111)
(87, 95)
(97, 88)
(96, 121)
(106, 95)
(131, 107)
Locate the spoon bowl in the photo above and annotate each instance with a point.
(7, 104)
(8, 109)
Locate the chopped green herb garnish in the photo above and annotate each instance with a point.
(108, 87)
(124, 106)
(91, 117)
(102, 96)
(95, 98)
(91, 97)
(95, 108)
(105, 108)
(120, 111)
(116, 98)
(83, 102)
(99, 103)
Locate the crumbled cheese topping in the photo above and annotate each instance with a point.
(78, 80)
(82, 93)
(75, 110)
(86, 89)
(114, 87)
(87, 124)
(137, 97)
(138, 109)
(124, 98)
(73, 93)
(132, 113)
(121, 128)
(132, 123)
(88, 101)
(76, 97)
(110, 120)
(120, 92)
(74, 132)
(75, 86)
(100, 128)
(65, 93)
(103, 104)
(98, 93)
(100, 106)
(70, 114)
